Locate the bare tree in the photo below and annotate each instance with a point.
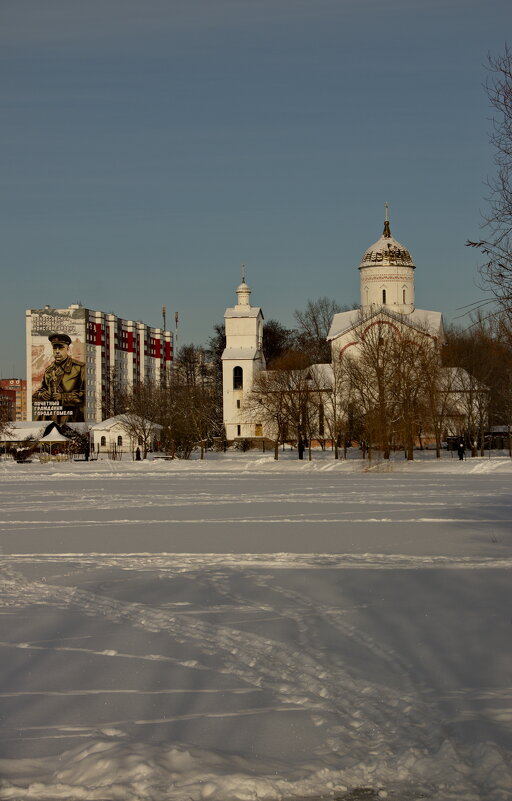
(142, 413)
(266, 404)
(313, 324)
(5, 421)
(371, 369)
(392, 381)
(287, 399)
(277, 340)
(419, 402)
(339, 405)
(484, 353)
(497, 247)
(470, 401)
(437, 394)
(113, 396)
(192, 411)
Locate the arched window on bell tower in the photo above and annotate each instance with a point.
(238, 378)
(383, 296)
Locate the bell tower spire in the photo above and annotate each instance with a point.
(387, 232)
(243, 292)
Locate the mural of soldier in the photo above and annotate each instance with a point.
(61, 396)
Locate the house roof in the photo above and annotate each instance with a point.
(243, 311)
(122, 420)
(37, 430)
(54, 436)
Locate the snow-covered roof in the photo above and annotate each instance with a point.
(38, 430)
(323, 373)
(80, 428)
(54, 436)
(456, 379)
(119, 420)
(243, 311)
(342, 322)
(20, 430)
(240, 353)
(431, 321)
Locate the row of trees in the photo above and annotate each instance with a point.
(395, 386)
(189, 411)
(386, 391)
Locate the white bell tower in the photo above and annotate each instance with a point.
(242, 360)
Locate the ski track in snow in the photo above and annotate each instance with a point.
(384, 730)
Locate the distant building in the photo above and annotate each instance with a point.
(7, 404)
(19, 387)
(73, 376)
(118, 435)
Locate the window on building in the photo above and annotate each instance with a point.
(238, 378)
(238, 430)
(238, 404)
(119, 440)
(383, 295)
(403, 295)
(258, 430)
(103, 442)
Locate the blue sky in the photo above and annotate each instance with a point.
(149, 147)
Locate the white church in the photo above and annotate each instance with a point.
(387, 294)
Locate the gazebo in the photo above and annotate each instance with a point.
(53, 437)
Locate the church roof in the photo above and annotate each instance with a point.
(423, 319)
(386, 251)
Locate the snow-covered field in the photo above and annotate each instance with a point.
(244, 629)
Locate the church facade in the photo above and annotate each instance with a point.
(387, 297)
(386, 293)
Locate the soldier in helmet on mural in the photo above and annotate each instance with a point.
(61, 396)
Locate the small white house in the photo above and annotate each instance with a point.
(123, 434)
